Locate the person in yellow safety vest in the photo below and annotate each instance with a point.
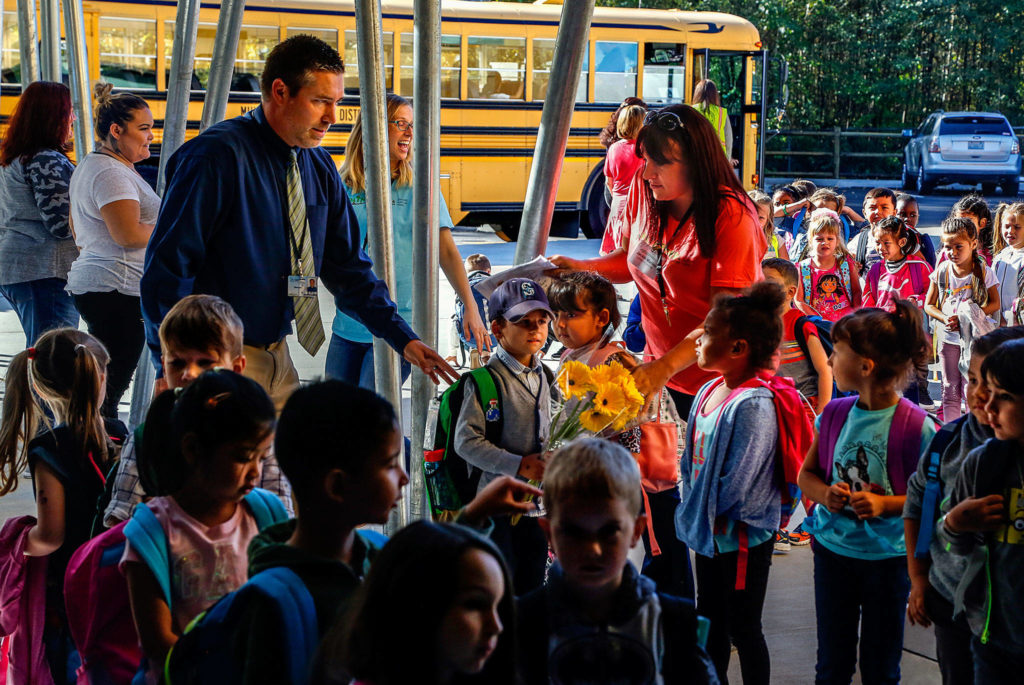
(707, 101)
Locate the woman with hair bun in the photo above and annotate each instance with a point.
(36, 247)
(113, 211)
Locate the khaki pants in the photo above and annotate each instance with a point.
(271, 366)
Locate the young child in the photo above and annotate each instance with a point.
(437, 608)
(586, 314)
(575, 628)
(962, 278)
(908, 210)
(983, 524)
(934, 576)
(763, 205)
(214, 437)
(337, 491)
(67, 370)
(199, 333)
(519, 314)
(902, 273)
(810, 372)
(878, 204)
(478, 268)
(1008, 264)
(791, 205)
(857, 470)
(731, 496)
(827, 278)
(976, 209)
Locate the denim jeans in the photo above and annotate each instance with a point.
(352, 362)
(994, 665)
(41, 306)
(848, 591)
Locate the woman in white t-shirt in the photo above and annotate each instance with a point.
(113, 211)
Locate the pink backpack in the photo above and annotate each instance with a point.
(99, 613)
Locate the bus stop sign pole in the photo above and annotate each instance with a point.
(555, 119)
(426, 189)
(373, 112)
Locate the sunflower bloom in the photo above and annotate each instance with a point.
(574, 379)
(602, 375)
(609, 399)
(595, 421)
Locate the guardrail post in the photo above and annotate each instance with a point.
(555, 120)
(373, 110)
(426, 189)
(836, 143)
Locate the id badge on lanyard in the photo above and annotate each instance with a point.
(302, 286)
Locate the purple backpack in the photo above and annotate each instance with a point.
(904, 433)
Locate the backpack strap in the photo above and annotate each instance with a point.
(862, 245)
(147, 537)
(942, 280)
(844, 276)
(297, 614)
(905, 432)
(801, 338)
(833, 417)
(873, 276)
(916, 281)
(266, 508)
(805, 278)
(933, 485)
(487, 392)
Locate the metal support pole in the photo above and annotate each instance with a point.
(28, 42)
(78, 74)
(555, 120)
(426, 190)
(179, 89)
(373, 110)
(49, 29)
(225, 47)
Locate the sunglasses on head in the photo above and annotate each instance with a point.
(666, 121)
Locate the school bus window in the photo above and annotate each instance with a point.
(615, 68)
(451, 65)
(329, 36)
(352, 63)
(663, 73)
(10, 58)
(128, 52)
(204, 53)
(496, 68)
(254, 44)
(543, 56)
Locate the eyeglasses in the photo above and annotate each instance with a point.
(401, 124)
(666, 121)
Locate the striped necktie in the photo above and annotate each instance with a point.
(308, 326)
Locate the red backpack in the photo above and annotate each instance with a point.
(99, 614)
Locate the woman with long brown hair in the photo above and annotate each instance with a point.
(36, 246)
(689, 233)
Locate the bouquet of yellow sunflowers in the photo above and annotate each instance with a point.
(602, 400)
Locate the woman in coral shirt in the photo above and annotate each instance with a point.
(689, 233)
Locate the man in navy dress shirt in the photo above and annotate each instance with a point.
(224, 228)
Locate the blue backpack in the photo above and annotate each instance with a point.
(149, 540)
(933, 485)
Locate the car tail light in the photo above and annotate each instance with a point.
(933, 146)
(1015, 147)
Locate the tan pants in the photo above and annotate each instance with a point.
(272, 367)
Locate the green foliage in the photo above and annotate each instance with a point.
(885, 63)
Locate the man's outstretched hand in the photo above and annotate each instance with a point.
(430, 362)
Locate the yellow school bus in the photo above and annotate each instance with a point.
(496, 59)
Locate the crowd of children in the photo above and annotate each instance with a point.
(817, 374)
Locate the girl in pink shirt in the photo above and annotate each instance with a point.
(620, 166)
(902, 273)
(203, 449)
(828, 280)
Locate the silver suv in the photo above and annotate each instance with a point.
(962, 147)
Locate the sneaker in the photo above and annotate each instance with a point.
(781, 541)
(799, 536)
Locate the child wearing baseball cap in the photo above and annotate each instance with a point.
(520, 314)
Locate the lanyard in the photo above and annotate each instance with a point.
(661, 260)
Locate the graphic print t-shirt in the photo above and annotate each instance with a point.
(860, 461)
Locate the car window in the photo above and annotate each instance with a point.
(974, 126)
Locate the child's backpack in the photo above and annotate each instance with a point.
(806, 277)
(918, 279)
(203, 653)
(481, 305)
(451, 482)
(933, 486)
(99, 614)
(824, 328)
(979, 293)
(904, 432)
